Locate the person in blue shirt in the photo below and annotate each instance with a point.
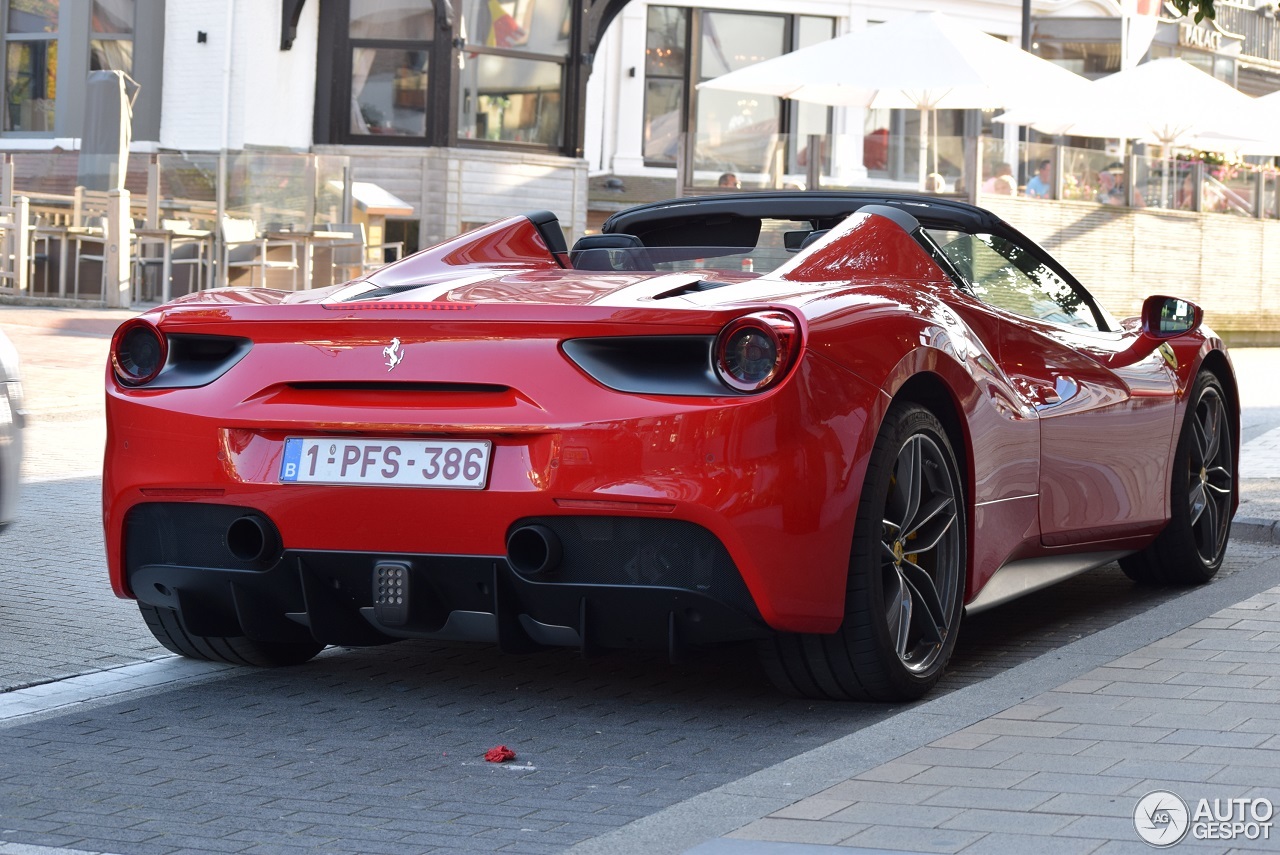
(1040, 186)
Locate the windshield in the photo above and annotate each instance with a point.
(671, 259)
(776, 243)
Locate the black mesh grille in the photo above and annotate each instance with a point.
(640, 551)
(191, 534)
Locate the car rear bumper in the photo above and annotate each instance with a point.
(772, 477)
(610, 582)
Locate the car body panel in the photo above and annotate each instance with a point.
(1063, 437)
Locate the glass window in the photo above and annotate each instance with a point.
(111, 55)
(664, 51)
(388, 91)
(809, 118)
(32, 16)
(663, 107)
(31, 65)
(505, 99)
(1008, 276)
(113, 16)
(1089, 59)
(537, 27)
(665, 72)
(731, 40)
(392, 20)
(737, 132)
(111, 48)
(390, 67)
(31, 70)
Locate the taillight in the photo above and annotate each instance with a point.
(138, 352)
(754, 352)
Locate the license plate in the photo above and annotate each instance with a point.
(459, 464)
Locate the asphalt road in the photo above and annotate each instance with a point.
(381, 750)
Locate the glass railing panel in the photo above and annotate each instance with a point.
(1092, 175)
(1158, 183)
(331, 172)
(754, 160)
(45, 177)
(1229, 189)
(188, 190)
(1271, 195)
(276, 191)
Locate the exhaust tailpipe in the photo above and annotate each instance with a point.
(534, 549)
(253, 540)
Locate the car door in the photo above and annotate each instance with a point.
(1104, 395)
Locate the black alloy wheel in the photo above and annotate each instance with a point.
(907, 574)
(1202, 495)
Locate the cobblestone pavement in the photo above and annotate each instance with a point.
(56, 617)
(379, 750)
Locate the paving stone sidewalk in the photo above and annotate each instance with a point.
(1049, 757)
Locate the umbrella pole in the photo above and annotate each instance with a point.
(924, 145)
(934, 124)
(1164, 177)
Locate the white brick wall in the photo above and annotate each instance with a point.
(271, 95)
(1225, 263)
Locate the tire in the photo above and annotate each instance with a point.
(1202, 491)
(902, 608)
(235, 650)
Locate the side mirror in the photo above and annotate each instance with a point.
(1165, 317)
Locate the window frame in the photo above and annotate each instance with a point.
(788, 111)
(44, 38)
(74, 36)
(331, 116)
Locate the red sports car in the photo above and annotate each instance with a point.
(827, 422)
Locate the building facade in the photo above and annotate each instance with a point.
(472, 110)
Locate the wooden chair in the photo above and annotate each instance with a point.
(242, 247)
(16, 246)
(173, 246)
(353, 254)
(89, 229)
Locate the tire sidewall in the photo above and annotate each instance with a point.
(1180, 526)
(864, 605)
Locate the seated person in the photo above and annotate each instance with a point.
(1001, 183)
(1040, 186)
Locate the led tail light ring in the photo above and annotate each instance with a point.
(138, 352)
(754, 352)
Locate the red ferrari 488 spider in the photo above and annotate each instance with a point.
(829, 423)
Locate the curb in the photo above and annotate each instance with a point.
(52, 302)
(1255, 530)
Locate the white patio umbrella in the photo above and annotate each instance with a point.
(1165, 101)
(1263, 126)
(924, 61)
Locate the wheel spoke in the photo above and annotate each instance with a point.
(1220, 480)
(1199, 444)
(1199, 501)
(1208, 528)
(1212, 428)
(910, 477)
(898, 614)
(930, 618)
(935, 521)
